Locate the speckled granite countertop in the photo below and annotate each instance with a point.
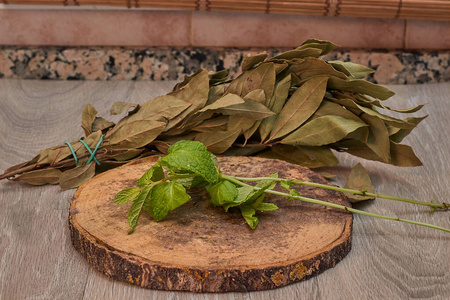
(119, 63)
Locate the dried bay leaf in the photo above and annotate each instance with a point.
(46, 156)
(163, 144)
(249, 132)
(263, 77)
(215, 92)
(388, 120)
(219, 141)
(359, 180)
(360, 134)
(101, 124)
(357, 109)
(328, 175)
(249, 109)
(320, 153)
(249, 61)
(403, 156)
(291, 154)
(136, 134)
(400, 155)
(330, 108)
(190, 122)
(355, 71)
(128, 154)
(87, 118)
(275, 104)
(298, 53)
(322, 131)
(215, 124)
(218, 77)
(244, 151)
(186, 80)
(242, 123)
(400, 134)
(161, 108)
(348, 103)
(302, 104)
(226, 100)
(360, 86)
(75, 177)
(56, 154)
(194, 92)
(358, 148)
(399, 110)
(363, 99)
(257, 96)
(312, 67)
(280, 67)
(378, 139)
(40, 177)
(325, 46)
(120, 107)
(237, 85)
(280, 94)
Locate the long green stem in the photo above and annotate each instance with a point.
(238, 181)
(355, 192)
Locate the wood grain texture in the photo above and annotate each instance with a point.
(201, 248)
(388, 260)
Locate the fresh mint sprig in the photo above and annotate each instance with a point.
(188, 164)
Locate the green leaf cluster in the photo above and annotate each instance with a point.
(162, 188)
(188, 164)
(294, 106)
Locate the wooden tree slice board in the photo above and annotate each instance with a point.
(200, 248)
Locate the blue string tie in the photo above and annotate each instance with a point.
(92, 157)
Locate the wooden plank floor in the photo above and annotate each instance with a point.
(389, 260)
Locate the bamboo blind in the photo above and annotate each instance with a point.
(399, 9)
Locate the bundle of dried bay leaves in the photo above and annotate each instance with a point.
(294, 106)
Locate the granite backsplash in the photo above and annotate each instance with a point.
(124, 63)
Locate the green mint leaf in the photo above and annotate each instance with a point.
(266, 206)
(223, 193)
(248, 213)
(294, 193)
(286, 184)
(136, 207)
(155, 173)
(185, 145)
(192, 182)
(259, 201)
(263, 185)
(165, 197)
(126, 195)
(243, 194)
(192, 156)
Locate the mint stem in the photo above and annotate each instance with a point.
(355, 192)
(237, 180)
